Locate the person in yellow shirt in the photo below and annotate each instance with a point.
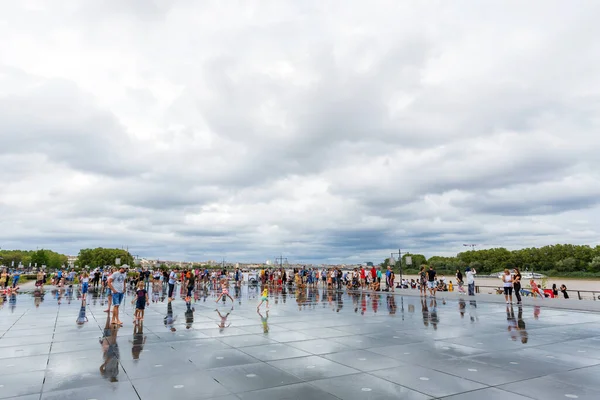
(264, 297)
(450, 287)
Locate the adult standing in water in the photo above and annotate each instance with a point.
(172, 280)
(517, 284)
(116, 283)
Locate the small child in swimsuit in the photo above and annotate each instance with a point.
(263, 298)
(225, 290)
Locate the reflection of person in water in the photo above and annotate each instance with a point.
(38, 297)
(169, 319)
(238, 294)
(521, 326)
(536, 312)
(425, 311)
(462, 305)
(69, 294)
(264, 322)
(391, 304)
(110, 368)
(82, 318)
(12, 300)
(374, 302)
(137, 344)
(189, 315)
(433, 314)
(473, 311)
(512, 322)
(339, 300)
(222, 325)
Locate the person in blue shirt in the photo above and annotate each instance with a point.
(388, 274)
(16, 277)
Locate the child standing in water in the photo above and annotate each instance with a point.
(264, 297)
(140, 302)
(224, 290)
(85, 282)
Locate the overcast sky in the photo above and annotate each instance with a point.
(326, 131)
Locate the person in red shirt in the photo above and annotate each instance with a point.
(363, 277)
(373, 275)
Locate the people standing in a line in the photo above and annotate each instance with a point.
(471, 272)
(563, 289)
(507, 280)
(431, 281)
(517, 284)
(116, 283)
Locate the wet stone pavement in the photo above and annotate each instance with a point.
(313, 345)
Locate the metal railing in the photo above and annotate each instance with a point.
(525, 292)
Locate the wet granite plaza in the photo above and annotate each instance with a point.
(316, 344)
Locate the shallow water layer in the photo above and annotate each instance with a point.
(312, 343)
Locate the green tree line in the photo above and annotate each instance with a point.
(40, 257)
(100, 257)
(553, 260)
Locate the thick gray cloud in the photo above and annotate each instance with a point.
(323, 131)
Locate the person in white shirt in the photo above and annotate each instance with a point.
(471, 280)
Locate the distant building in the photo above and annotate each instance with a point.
(71, 260)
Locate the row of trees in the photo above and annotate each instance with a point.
(100, 257)
(91, 257)
(40, 257)
(554, 260)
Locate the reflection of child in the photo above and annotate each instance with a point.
(141, 300)
(169, 319)
(263, 298)
(222, 325)
(82, 318)
(138, 341)
(264, 320)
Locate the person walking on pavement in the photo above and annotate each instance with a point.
(431, 274)
(116, 283)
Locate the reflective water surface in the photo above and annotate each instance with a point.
(311, 343)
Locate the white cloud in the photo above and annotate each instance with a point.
(326, 131)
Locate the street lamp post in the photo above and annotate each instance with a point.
(280, 259)
(399, 253)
